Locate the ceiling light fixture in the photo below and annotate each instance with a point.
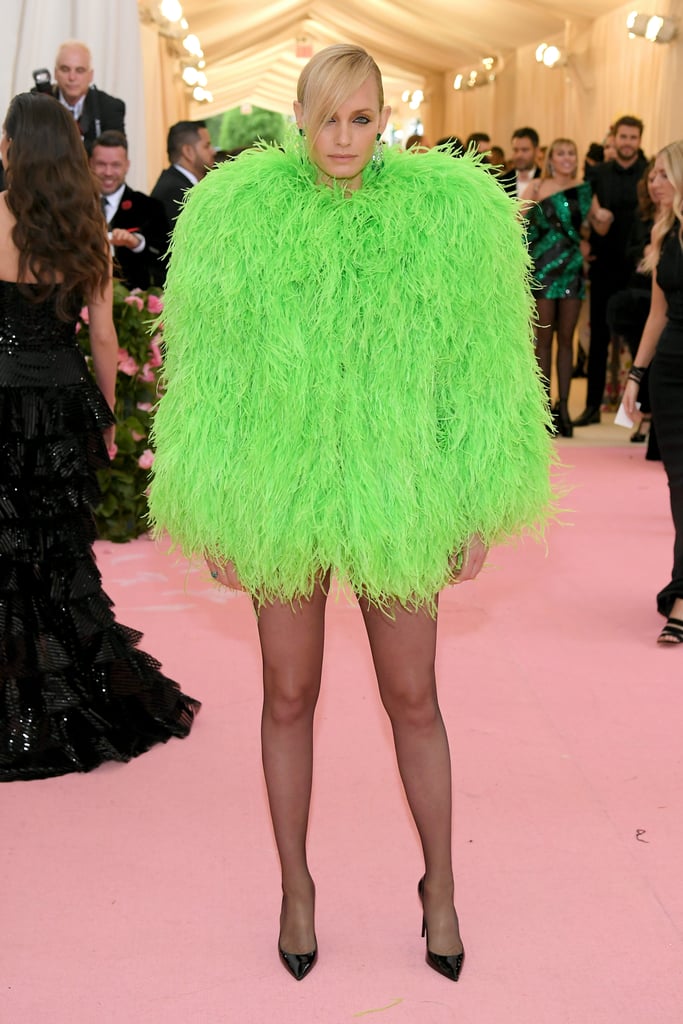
(483, 74)
(550, 56)
(651, 26)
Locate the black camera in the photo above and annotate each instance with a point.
(43, 80)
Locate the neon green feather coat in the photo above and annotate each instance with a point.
(350, 379)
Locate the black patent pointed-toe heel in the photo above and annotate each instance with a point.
(449, 966)
(298, 964)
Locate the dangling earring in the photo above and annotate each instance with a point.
(302, 133)
(378, 154)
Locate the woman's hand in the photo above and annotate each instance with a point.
(225, 574)
(629, 398)
(473, 558)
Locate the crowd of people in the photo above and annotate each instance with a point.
(326, 438)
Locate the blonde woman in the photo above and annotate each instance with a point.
(340, 401)
(558, 207)
(661, 346)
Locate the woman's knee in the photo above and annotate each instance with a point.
(411, 704)
(288, 698)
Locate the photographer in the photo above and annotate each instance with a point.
(95, 111)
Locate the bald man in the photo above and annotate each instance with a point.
(94, 110)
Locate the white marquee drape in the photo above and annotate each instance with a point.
(608, 75)
(251, 50)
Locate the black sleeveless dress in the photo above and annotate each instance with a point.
(74, 689)
(666, 395)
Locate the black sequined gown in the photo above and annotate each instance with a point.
(74, 689)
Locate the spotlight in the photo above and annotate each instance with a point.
(652, 27)
(549, 56)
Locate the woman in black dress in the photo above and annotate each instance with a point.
(74, 690)
(662, 344)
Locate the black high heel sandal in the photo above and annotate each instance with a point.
(448, 966)
(672, 634)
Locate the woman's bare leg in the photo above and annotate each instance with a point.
(403, 648)
(292, 639)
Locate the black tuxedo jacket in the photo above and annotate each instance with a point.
(508, 179)
(141, 269)
(170, 188)
(101, 112)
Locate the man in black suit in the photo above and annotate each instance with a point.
(525, 162)
(190, 154)
(95, 111)
(137, 223)
(611, 216)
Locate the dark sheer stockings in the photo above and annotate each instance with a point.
(557, 316)
(403, 648)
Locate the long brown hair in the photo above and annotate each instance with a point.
(59, 231)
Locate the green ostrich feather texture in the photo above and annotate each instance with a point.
(350, 378)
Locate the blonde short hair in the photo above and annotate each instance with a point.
(331, 77)
(547, 169)
(672, 157)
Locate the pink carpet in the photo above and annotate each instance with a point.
(148, 893)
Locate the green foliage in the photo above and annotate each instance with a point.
(122, 513)
(240, 129)
(213, 126)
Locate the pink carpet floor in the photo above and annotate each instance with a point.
(148, 893)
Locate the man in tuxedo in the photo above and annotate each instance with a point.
(525, 162)
(95, 111)
(137, 223)
(190, 154)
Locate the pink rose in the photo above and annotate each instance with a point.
(147, 374)
(134, 300)
(156, 359)
(146, 459)
(154, 304)
(145, 406)
(112, 450)
(85, 315)
(136, 436)
(78, 326)
(128, 366)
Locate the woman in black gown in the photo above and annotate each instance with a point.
(662, 344)
(74, 690)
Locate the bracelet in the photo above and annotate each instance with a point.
(636, 373)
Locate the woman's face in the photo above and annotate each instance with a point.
(610, 150)
(660, 188)
(564, 160)
(346, 142)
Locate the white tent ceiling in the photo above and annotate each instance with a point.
(250, 47)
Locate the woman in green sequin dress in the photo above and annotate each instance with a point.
(558, 208)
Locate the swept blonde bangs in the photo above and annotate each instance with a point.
(672, 156)
(547, 172)
(329, 79)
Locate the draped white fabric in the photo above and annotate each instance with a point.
(32, 31)
(250, 53)
(250, 58)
